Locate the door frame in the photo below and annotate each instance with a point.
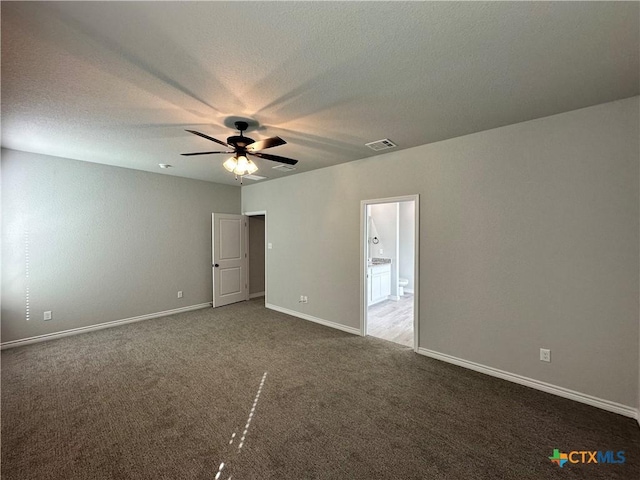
(416, 262)
(266, 250)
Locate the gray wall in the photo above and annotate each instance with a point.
(256, 254)
(407, 242)
(104, 243)
(529, 239)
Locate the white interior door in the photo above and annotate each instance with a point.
(229, 254)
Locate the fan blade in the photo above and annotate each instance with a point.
(202, 153)
(266, 143)
(275, 158)
(207, 137)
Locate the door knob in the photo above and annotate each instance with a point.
(216, 265)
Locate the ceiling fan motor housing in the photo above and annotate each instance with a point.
(240, 141)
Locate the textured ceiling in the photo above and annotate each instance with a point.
(117, 83)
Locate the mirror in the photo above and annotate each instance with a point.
(373, 232)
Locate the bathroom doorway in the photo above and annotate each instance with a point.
(389, 260)
(257, 268)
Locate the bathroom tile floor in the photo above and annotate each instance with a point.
(391, 320)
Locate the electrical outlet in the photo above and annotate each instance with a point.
(303, 299)
(545, 355)
(306, 300)
(180, 294)
(269, 245)
(47, 315)
(381, 251)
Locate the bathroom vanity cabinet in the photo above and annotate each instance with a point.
(379, 287)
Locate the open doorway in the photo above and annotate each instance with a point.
(390, 269)
(257, 255)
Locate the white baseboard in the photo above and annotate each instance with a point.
(395, 298)
(99, 326)
(311, 318)
(537, 384)
(256, 295)
(409, 290)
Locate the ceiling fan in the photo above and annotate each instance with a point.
(242, 146)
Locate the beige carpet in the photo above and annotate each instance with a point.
(163, 398)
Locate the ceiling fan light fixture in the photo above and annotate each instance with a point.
(244, 166)
(230, 164)
(242, 163)
(251, 167)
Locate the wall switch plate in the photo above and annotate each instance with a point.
(180, 294)
(270, 246)
(381, 251)
(47, 315)
(545, 355)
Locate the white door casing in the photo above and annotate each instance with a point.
(367, 287)
(229, 258)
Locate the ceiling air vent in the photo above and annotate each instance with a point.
(383, 144)
(254, 177)
(284, 168)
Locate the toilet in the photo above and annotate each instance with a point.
(402, 282)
